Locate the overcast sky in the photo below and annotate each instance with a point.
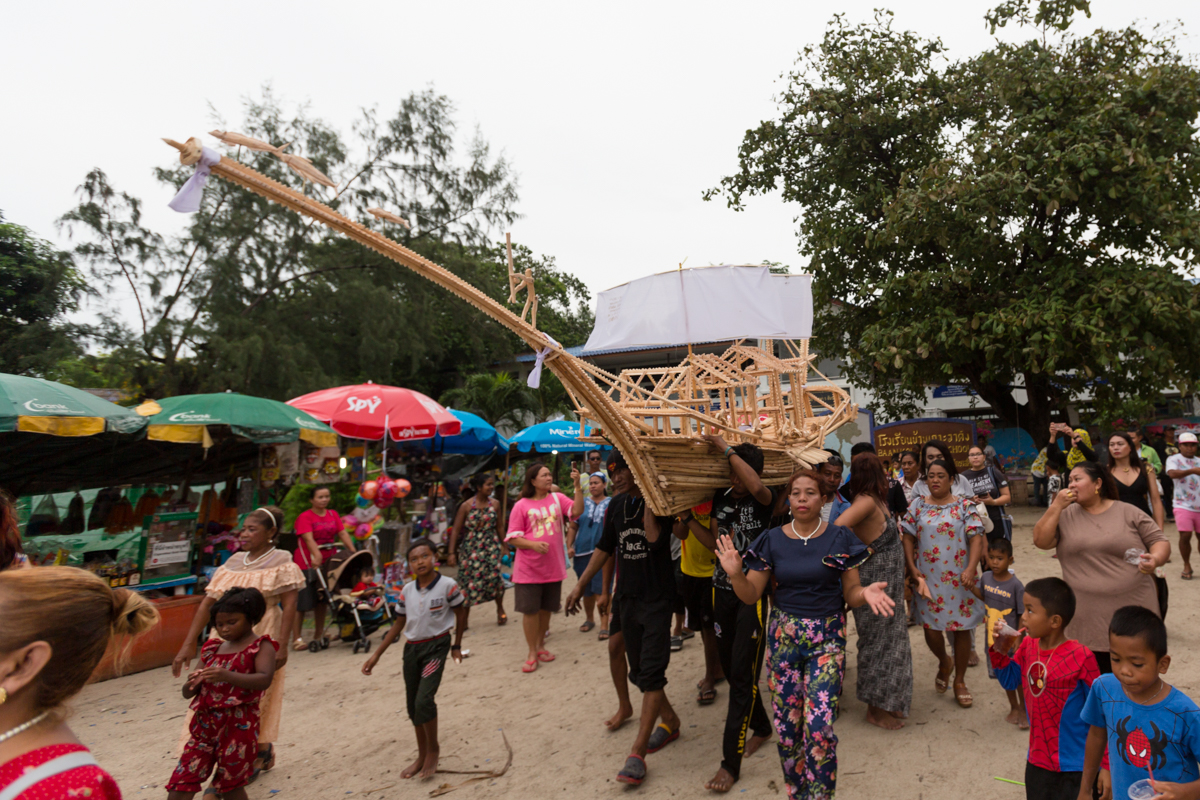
(616, 117)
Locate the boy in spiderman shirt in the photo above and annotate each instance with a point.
(1055, 674)
(1151, 728)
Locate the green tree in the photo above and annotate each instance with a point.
(1025, 217)
(256, 298)
(39, 286)
(498, 397)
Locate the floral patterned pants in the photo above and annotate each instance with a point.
(806, 665)
(226, 738)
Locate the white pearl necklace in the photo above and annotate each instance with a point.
(23, 727)
(804, 538)
(246, 557)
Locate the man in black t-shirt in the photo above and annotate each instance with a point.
(640, 542)
(741, 512)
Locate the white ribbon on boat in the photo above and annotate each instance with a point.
(187, 201)
(535, 377)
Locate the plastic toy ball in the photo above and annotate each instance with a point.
(403, 487)
(368, 489)
(349, 522)
(363, 531)
(361, 501)
(386, 493)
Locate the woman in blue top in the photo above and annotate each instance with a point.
(581, 543)
(815, 566)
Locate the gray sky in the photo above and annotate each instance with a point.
(615, 117)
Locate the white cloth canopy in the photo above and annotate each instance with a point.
(704, 304)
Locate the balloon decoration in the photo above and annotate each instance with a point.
(365, 514)
(349, 521)
(361, 501)
(369, 489)
(363, 531)
(403, 487)
(386, 494)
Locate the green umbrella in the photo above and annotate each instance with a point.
(262, 421)
(34, 405)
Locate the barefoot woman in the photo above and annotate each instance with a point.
(477, 545)
(884, 654)
(815, 568)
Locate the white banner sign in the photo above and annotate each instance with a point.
(168, 553)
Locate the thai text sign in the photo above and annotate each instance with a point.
(896, 437)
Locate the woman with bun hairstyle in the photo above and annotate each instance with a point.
(58, 621)
(260, 565)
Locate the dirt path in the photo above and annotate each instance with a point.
(348, 735)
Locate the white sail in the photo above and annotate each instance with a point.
(703, 304)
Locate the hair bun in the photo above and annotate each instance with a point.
(132, 614)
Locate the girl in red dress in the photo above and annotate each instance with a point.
(58, 621)
(234, 672)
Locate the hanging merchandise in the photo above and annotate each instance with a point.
(74, 523)
(120, 519)
(147, 504)
(44, 518)
(102, 505)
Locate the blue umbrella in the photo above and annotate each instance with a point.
(476, 438)
(547, 437)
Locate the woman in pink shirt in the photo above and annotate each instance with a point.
(535, 530)
(319, 530)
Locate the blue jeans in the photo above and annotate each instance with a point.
(1040, 486)
(596, 587)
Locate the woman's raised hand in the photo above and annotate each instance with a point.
(877, 598)
(731, 559)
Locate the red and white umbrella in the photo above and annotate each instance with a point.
(365, 411)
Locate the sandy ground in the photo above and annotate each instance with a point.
(345, 734)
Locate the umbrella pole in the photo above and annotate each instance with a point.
(504, 499)
(383, 455)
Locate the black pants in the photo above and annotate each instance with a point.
(646, 625)
(741, 645)
(1044, 784)
(424, 663)
(1168, 493)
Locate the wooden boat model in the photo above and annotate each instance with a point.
(655, 417)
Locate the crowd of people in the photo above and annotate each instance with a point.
(764, 575)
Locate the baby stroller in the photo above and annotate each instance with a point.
(338, 578)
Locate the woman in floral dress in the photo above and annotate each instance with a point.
(477, 545)
(943, 542)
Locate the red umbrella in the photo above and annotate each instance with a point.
(365, 410)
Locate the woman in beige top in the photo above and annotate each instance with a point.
(1093, 530)
(264, 567)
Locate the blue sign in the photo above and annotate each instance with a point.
(953, 391)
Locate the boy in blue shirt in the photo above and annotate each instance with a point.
(1151, 727)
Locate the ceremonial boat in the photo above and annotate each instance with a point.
(655, 417)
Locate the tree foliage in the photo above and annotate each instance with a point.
(1026, 217)
(254, 297)
(39, 287)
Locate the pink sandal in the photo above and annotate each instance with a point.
(545, 656)
(530, 666)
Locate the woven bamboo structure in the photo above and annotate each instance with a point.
(655, 417)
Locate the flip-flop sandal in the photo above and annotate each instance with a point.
(266, 758)
(964, 697)
(587, 626)
(1187, 576)
(298, 645)
(502, 619)
(529, 666)
(676, 644)
(940, 683)
(660, 738)
(603, 635)
(688, 633)
(634, 771)
(545, 656)
(707, 698)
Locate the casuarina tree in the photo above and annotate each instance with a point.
(1023, 221)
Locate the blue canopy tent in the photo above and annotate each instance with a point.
(477, 438)
(560, 436)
